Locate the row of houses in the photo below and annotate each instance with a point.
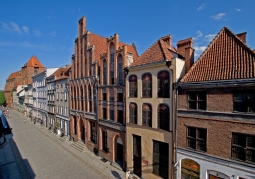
(159, 115)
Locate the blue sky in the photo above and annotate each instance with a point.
(48, 28)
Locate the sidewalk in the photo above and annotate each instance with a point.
(88, 158)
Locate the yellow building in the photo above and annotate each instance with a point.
(151, 107)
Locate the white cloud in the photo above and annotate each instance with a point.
(210, 37)
(201, 7)
(25, 29)
(218, 16)
(15, 27)
(26, 44)
(52, 33)
(199, 34)
(37, 33)
(5, 26)
(238, 10)
(199, 50)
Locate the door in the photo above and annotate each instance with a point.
(137, 162)
(119, 154)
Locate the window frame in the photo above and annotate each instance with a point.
(163, 117)
(146, 85)
(196, 138)
(93, 132)
(246, 103)
(133, 113)
(162, 77)
(132, 86)
(197, 102)
(147, 115)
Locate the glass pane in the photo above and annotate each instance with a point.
(192, 132)
(240, 107)
(201, 105)
(201, 96)
(201, 133)
(251, 96)
(240, 96)
(192, 105)
(250, 155)
(192, 96)
(191, 143)
(250, 141)
(238, 152)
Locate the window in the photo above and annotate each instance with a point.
(112, 114)
(105, 113)
(120, 97)
(244, 102)
(146, 115)
(57, 96)
(197, 100)
(105, 72)
(111, 94)
(65, 96)
(93, 132)
(120, 70)
(132, 86)
(146, 85)
(133, 113)
(104, 96)
(163, 117)
(163, 84)
(120, 116)
(104, 141)
(112, 63)
(196, 138)
(160, 159)
(243, 147)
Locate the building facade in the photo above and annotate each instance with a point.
(62, 99)
(216, 136)
(29, 100)
(22, 77)
(40, 102)
(111, 106)
(151, 108)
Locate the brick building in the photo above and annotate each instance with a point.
(151, 107)
(22, 77)
(216, 105)
(90, 91)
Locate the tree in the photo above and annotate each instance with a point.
(2, 97)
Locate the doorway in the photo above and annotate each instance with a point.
(119, 152)
(137, 156)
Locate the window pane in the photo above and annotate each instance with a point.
(201, 96)
(192, 132)
(201, 105)
(238, 152)
(192, 96)
(191, 143)
(192, 105)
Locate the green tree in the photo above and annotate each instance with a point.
(2, 98)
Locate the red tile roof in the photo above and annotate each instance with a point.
(159, 51)
(34, 62)
(100, 45)
(13, 75)
(61, 73)
(226, 58)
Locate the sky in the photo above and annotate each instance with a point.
(48, 28)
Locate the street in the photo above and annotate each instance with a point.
(43, 157)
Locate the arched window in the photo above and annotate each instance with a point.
(120, 70)
(147, 115)
(163, 84)
(163, 117)
(132, 86)
(146, 85)
(105, 72)
(112, 63)
(133, 113)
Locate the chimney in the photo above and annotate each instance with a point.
(68, 66)
(184, 47)
(242, 37)
(168, 39)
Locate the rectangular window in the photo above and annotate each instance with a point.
(104, 141)
(104, 96)
(160, 159)
(196, 138)
(197, 100)
(147, 92)
(57, 96)
(93, 132)
(120, 116)
(112, 115)
(147, 118)
(65, 96)
(243, 147)
(105, 113)
(120, 97)
(244, 102)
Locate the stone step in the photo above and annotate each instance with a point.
(79, 145)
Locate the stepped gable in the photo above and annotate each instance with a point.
(100, 45)
(13, 75)
(34, 62)
(158, 51)
(131, 49)
(227, 57)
